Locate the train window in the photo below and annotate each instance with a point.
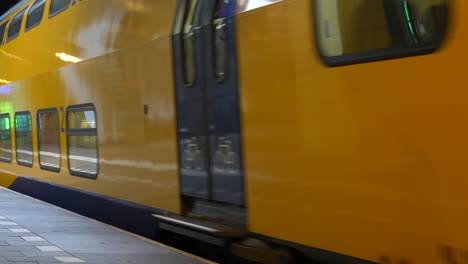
(15, 25)
(57, 6)
(2, 32)
(48, 130)
(82, 141)
(357, 31)
(23, 134)
(35, 14)
(5, 138)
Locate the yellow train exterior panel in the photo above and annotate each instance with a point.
(366, 160)
(120, 72)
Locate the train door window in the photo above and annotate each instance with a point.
(2, 32)
(15, 25)
(35, 14)
(82, 141)
(58, 6)
(48, 129)
(5, 138)
(23, 134)
(357, 31)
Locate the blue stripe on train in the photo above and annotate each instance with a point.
(126, 215)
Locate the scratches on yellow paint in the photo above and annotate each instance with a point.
(9, 55)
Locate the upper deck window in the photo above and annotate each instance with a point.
(356, 31)
(35, 14)
(15, 25)
(57, 6)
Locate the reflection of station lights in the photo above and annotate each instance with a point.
(3, 81)
(67, 58)
(136, 6)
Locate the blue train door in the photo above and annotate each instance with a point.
(207, 103)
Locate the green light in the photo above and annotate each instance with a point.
(408, 19)
(5, 123)
(6, 107)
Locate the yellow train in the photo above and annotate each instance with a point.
(329, 131)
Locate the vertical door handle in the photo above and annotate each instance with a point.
(188, 53)
(188, 42)
(220, 48)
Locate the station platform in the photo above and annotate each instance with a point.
(32, 231)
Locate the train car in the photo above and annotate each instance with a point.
(283, 131)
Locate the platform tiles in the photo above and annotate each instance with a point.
(34, 232)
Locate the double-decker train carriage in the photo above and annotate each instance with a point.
(281, 131)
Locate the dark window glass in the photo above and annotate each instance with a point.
(82, 141)
(352, 31)
(35, 14)
(15, 25)
(23, 133)
(5, 138)
(2, 32)
(57, 6)
(48, 129)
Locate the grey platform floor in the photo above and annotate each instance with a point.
(32, 231)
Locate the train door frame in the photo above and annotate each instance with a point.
(208, 112)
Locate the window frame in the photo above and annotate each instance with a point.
(2, 37)
(11, 139)
(379, 54)
(26, 28)
(82, 132)
(8, 38)
(47, 168)
(16, 140)
(51, 15)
